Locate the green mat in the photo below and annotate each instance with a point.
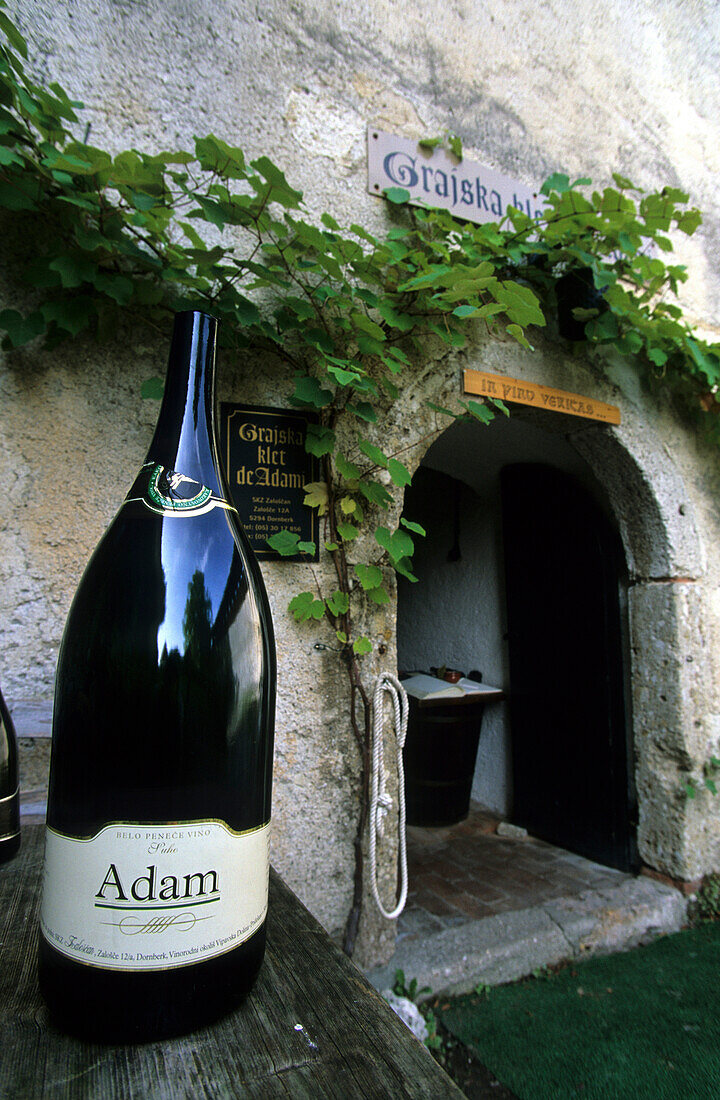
(642, 1025)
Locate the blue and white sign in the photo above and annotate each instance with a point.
(434, 177)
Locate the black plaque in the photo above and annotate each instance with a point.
(267, 468)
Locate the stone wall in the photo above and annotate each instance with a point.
(630, 87)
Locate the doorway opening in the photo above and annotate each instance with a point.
(522, 581)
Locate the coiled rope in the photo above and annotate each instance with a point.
(380, 800)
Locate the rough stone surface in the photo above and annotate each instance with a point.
(408, 1012)
(587, 89)
(512, 945)
(506, 828)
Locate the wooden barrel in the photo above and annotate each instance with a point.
(439, 758)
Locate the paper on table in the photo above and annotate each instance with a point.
(422, 686)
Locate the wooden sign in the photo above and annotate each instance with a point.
(267, 468)
(519, 392)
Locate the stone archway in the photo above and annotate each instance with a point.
(670, 613)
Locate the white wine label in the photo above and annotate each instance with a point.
(152, 897)
(169, 493)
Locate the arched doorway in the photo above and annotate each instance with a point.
(523, 578)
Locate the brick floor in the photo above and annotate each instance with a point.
(466, 872)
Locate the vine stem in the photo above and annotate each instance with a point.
(360, 717)
(357, 689)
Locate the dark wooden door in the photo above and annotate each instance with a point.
(564, 565)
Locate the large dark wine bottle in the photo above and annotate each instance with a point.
(156, 863)
(9, 787)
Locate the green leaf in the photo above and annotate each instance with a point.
(282, 192)
(300, 307)
(441, 409)
(342, 376)
(705, 360)
(479, 411)
(400, 474)
(215, 155)
(398, 544)
(18, 195)
(331, 547)
(9, 156)
(375, 493)
(305, 606)
(689, 221)
(307, 548)
(378, 595)
(558, 181)
(14, 37)
(318, 338)
(403, 567)
(316, 496)
(455, 145)
(518, 334)
(284, 543)
(319, 440)
(520, 302)
(657, 356)
(373, 453)
(362, 646)
(347, 531)
(72, 315)
(21, 330)
(368, 575)
(308, 391)
(152, 388)
(413, 526)
(211, 211)
(402, 321)
(341, 636)
(367, 345)
(115, 286)
(73, 270)
(347, 469)
(191, 234)
(366, 325)
(245, 311)
(364, 411)
(398, 195)
(338, 603)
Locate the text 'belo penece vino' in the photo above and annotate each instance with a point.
(156, 861)
(9, 787)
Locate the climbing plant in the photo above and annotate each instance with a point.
(347, 315)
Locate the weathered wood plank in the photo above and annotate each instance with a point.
(312, 1027)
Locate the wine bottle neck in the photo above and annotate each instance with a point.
(184, 438)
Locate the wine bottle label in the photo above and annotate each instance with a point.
(152, 897)
(169, 493)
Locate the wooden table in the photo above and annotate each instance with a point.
(312, 1027)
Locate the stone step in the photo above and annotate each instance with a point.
(513, 945)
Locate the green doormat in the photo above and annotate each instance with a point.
(643, 1025)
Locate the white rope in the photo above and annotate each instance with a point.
(380, 800)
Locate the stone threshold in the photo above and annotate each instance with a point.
(507, 946)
